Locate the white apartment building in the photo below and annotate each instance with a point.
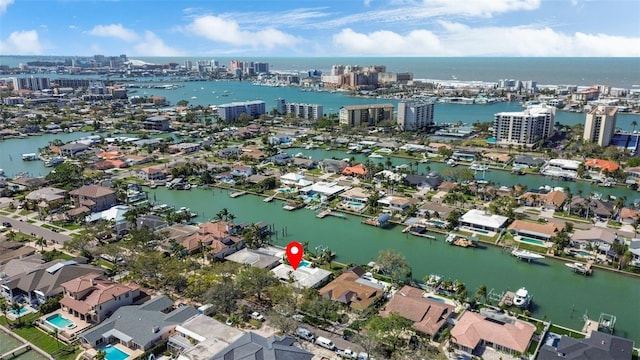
(600, 125)
(415, 115)
(524, 127)
(365, 115)
(304, 111)
(231, 111)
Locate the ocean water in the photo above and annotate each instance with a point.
(617, 72)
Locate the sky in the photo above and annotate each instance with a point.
(329, 28)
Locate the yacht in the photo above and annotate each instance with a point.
(30, 157)
(452, 162)
(376, 156)
(54, 161)
(522, 298)
(526, 255)
(479, 167)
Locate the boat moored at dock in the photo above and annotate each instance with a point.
(526, 255)
(580, 268)
(522, 298)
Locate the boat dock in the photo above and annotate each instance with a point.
(269, 199)
(292, 205)
(329, 212)
(16, 352)
(507, 299)
(581, 268)
(237, 194)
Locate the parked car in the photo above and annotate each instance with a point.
(305, 334)
(325, 343)
(257, 316)
(346, 353)
(6, 224)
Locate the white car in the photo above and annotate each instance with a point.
(257, 316)
(346, 353)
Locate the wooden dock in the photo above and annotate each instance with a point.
(237, 194)
(269, 199)
(15, 352)
(507, 299)
(328, 212)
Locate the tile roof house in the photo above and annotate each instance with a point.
(94, 197)
(149, 173)
(583, 207)
(252, 346)
(217, 238)
(41, 282)
(629, 216)
(357, 170)
(474, 330)
(92, 298)
(139, 326)
(535, 230)
(602, 238)
(428, 182)
(428, 315)
(598, 345)
(351, 289)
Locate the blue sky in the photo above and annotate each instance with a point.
(321, 28)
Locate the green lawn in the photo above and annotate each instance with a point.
(43, 340)
(563, 331)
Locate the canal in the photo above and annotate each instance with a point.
(559, 294)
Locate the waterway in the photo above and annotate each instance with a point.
(559, 295)
(8, 342)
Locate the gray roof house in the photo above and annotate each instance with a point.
(528, 161)
(431, 181)
(252, 346)
(40, 282)
(139, 326)
(73, 149)
(598, 345)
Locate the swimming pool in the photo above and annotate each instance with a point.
(581, 253)
(113, 353)
(532, 241)
(304, 263)
(436, 299)
(481, 231)
(355, 204)
(23, 311)
(286, 191)
(60, 322)
(437, 223)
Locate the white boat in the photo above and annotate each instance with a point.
(451, 162)
(376, 156)
(526, 255)
(54, 161)
(299, 155)
(577, 267)
(479, 167)
(194, 97)
(30, 157)
(450, 237)
(522, 298)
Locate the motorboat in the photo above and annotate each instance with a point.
(522, 298)
(526, 255)
(452, 162)
(479, 167)
(54, 161)
(376, 156)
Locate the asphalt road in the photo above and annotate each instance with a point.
(35, 230)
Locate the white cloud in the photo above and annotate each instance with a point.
(114, 30)
(228, 31)
(461, 40)
(152, 45)
(480, 8)
(72, 27)
(4, 4)
(22, 43)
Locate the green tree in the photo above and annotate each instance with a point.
(40, 241)
(393, 264)
(224, 296)
(254, 281)
(67, 176)
(17, 308)
(182, 103)
(390, 331)
(4, 306)
(481, 293)
(100, 355)
(253, 236)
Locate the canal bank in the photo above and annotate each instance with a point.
(15, 347)
(559, 295)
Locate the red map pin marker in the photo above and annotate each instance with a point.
(294, 254)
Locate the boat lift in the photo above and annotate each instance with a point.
(607, 322)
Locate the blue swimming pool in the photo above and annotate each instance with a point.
(436, 299)
(304, 263)
(532, 241)
(60, 322)
(581, 253)
(286, 191)
(113, 353)
(23, 311)
(355, 204)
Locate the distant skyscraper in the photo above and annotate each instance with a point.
(415, 115)
(600, 124)
(524, 127)
(188, 64)
(280, 106)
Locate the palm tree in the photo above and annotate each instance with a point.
(41, 242)
(17, 307)
(481, 293)
(100, 355)
(4, 306)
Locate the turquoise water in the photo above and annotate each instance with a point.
(22, 312)
(304, 263)
(436, 299)
(286, 191)
(60, 321)
(355, 204)
(532, 241)
(581, 253)
(440, 223)
(113, 353)
(480, 231)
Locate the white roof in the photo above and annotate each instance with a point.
(565, 163)
(115, 213)
(303, 277)
(325, 188)
(292, 176)
(480, 218)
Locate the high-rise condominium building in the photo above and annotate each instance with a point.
(600, 124)
(415, 115)
(524, 127)
(367, 115)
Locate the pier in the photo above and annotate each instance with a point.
(237, 194)
(270, 198)
(328, 212)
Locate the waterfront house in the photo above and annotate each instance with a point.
(305, 164)
(629, 216)
(218, 239)
(634, 249)
(200, 337)
(303, 276)
(533, 230)
(473, 331)
(397, 204)
(94, 197)
(355, 195)
(242, 170)
(253, 346)
(600, 238)
(40, 282)
(434, 210)
(429, 316)
(261, 257)
(138, 327)
(480, 220)
(151, 173)
(332, 166)
(527, 161)
(355, 170)
(73, 149)
(93, 298)
(353, 289)
(598, 345)
(294, 179)
(552, 200)
(424, 182)
(26, 183)
(279, 159)
(590, 208)
(326, 190)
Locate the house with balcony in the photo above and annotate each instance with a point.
(39, 282)
(220, 238)
(397, 204)
(158, 123)
(138, 327)
(354, 289)
(200, 337)
(533, 230)
(93, 298)
(242, 170)
(94, 197)
(151, 173)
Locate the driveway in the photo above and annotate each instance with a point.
(35, 230)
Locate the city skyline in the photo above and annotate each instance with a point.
(321, 28)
